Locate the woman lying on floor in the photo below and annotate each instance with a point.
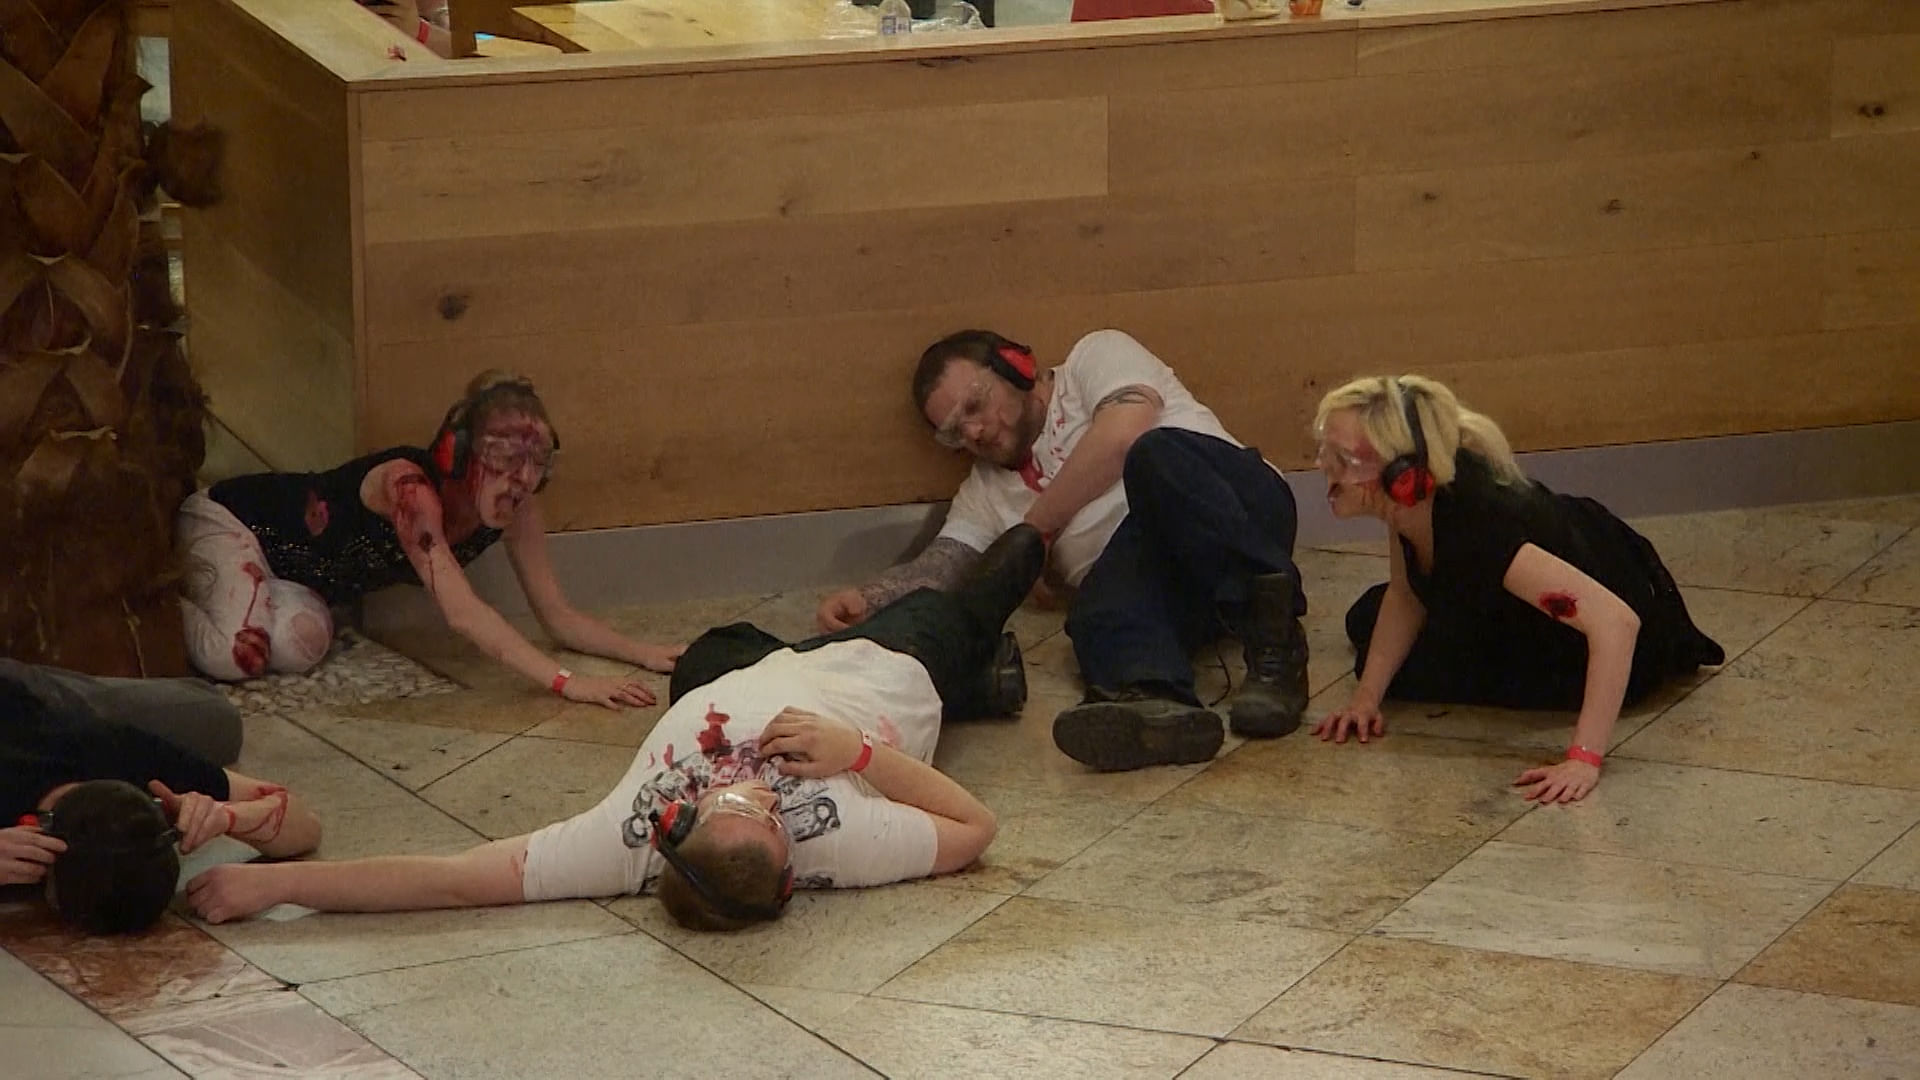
(268, 553)
(1502, 592)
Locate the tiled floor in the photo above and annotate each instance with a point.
(1740, 898)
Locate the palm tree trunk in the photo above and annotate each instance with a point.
(100, 417)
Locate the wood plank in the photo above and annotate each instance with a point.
(1733, 97)
(1873, 279)
(284, 173)
(1683, 199)
(668, 173)
(736, 418)
(279, 373)
(1095, 68)
(658, 24)
(732, 272)
(1603, 37)
(1876, 84)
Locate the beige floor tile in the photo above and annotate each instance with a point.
(48, 1035)
(910, 1041)
(624, 727)
(1038, 833)
(617, 1008)
(1469, 1009)
(1777, 727)
(396, 826)
(848, 940)
(1892, 577)
(1784, 552)
(1861, 942)
(1240, 1061)
(529, 783)
(1863, 647)
(1754, 1033)
(413, 755)
(317, 946)
(1898, 866)
(1889, 509)
(1197, 974)
(504, 711)
(811, 1009)
(265, 1034)
(172, 963)
(1739, 620)
(1601, 909)
(1300, 873)
(1741, 821)
(1407, 783)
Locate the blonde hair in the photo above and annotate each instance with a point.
(1448, 426)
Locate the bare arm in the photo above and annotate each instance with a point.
(487, 875)
(1568, 595)
(1098, 459)
(269, 818)
(812, 745)
(526, 541)
(1394, 631)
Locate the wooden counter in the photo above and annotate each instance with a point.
(616, 25)
(1603, 222)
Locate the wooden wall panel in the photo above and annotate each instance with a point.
(664, 172)
(1876, 83)
(642, 277)
(1873, 279)
(1681, 199)
(270, 267)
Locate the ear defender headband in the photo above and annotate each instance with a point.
(671, 827)
(48, 822)
(452, 446)
(1407, 479)
(1013, 362)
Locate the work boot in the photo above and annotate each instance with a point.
(1136, 728)
(1270, 702)
(1007, 679)
(994, 587)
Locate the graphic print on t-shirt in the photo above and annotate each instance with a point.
(806, 808)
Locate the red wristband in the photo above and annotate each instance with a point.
(1582, 754)
(866, 754)
(420, 35)
(559, 685)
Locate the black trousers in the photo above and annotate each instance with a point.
(1204, 517)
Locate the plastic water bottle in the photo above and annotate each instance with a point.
(895, 18)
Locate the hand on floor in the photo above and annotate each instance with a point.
(841, 610)
(231, 891)
(603, 690)
(660, 658)
(1359, 716)
(1569, 781)
(26, 853)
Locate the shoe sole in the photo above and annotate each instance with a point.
(1112, 737)
(1259, 724)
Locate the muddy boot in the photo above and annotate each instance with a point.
(1136, 728)
(1270, 702)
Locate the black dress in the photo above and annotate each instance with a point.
(355, 551)
(1482, 645)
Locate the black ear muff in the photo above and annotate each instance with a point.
(673, 825)
(1407, 479)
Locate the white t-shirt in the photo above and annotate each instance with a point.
(992, 499)
(844, 832)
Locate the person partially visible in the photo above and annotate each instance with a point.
(429, 22)
(269, 553)
(98, 810)
(805, 767)
(1502, 592)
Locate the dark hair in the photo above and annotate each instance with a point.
(745, 873)
(977, 347)
(120, 868)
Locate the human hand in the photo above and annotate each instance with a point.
(809, 744)
(251, 650)
(232, 891)
(1359, 716)
(26, 853)
(841, 610)
(660, 658)
(612, 692)
(1568, 781)
(196, 817)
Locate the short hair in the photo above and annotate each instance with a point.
(120, 869)
(745, 873)
(977, 347)
(493, 392)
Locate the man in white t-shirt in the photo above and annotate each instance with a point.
(806, 767)
(1168, 529)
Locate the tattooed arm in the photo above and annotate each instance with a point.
(940, 566)
(1121, 417)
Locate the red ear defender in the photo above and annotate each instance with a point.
(442, 452)
(1019, 360)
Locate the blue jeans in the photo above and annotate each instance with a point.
(1204, 518)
